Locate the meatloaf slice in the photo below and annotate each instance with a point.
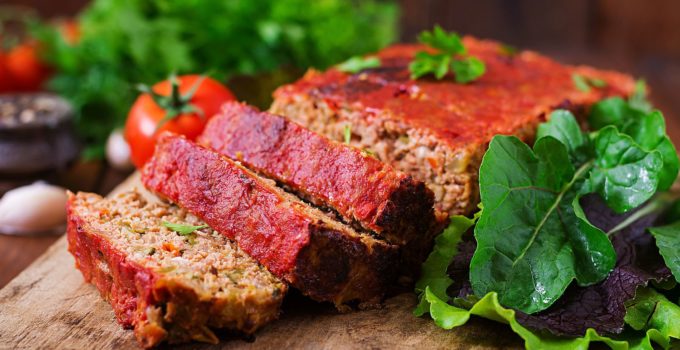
(323, 258)
(364, 191)
(438, 130)
(169, 287)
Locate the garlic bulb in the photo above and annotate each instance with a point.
(36, 208)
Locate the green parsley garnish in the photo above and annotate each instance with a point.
(598, 83)
(348, 133)
(369, 152)
(183, 230)
(584, 84)
(356, 64)
(580, 82)
(451, 56)
(508, 50)
(468, 69)
(439, 39)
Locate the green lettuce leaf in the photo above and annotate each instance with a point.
(433, 273)
(532, 209)
(529, 215)
(624, 174)
(660, 327)
(639, 151)
(649, 131)
(668, 241)
(564, 128)
(647, 128)
(612, 111)
(448, 316)
(652, 312)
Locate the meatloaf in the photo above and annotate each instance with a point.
(169, 286)
(364, 191)
(323, 258)
(438, 130)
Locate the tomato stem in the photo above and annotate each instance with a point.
(175, 104)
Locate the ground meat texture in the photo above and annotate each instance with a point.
(364, 191)
(168, 287)
(438, 130)
(325, 259)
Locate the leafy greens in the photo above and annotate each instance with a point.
(599, 306)
(532, 210)
(586, 314)
(648, 129)
(575, 207)
(602, 306)
(141, 41)
(528, 215)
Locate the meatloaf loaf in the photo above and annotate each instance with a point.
(325, 259)
(364, 191)
(169, 286)
(438, 130)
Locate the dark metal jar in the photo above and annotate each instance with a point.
(36, 137)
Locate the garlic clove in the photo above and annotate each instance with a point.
(32, 209)
(118, 151)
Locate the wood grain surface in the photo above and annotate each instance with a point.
(49, 306)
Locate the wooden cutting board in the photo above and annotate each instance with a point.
(49, 306)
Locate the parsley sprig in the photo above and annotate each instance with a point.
(183, 230)
(356, 64)
(584, 83)
(451, 56)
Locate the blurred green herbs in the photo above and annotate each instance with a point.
(124, 42)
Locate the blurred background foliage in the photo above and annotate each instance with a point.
(124, 42)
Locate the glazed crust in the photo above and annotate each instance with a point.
(515, 91)
(326, 260)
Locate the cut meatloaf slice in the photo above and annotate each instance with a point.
(438, 130)
(364, 191)
(169, 287)
(325, 259)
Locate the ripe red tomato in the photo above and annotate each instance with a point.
(6, 80)
(182, 112)
(26, 70)
(70, 30)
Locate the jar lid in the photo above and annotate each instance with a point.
(36, 134)
(30, 111)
